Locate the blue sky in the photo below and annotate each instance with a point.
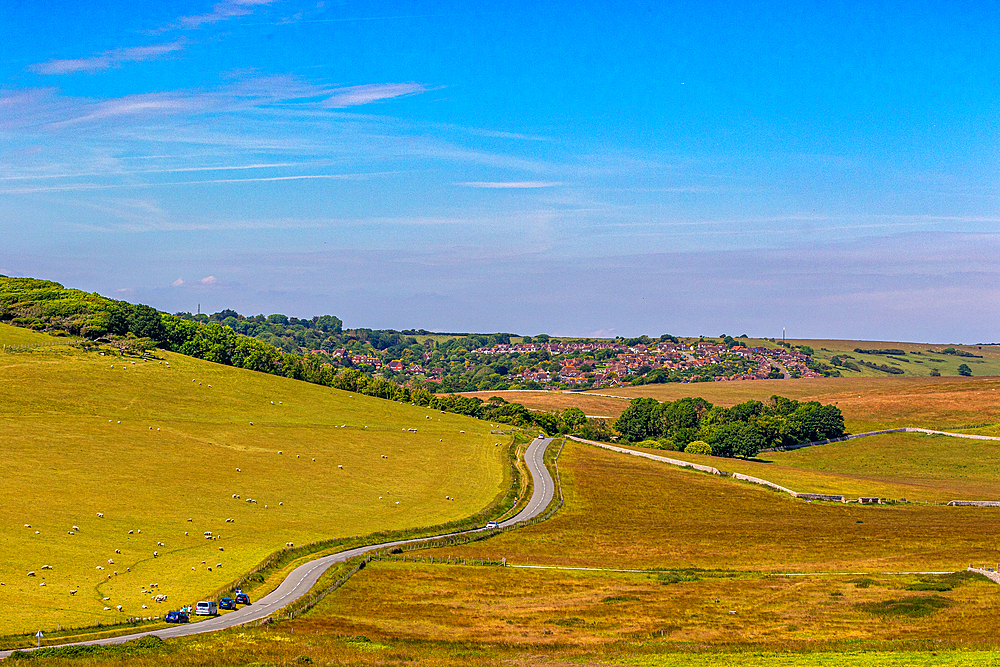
(569, 168)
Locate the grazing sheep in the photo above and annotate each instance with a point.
(119, 607)
(42, 584)
(218, 565)
(281, 503)
(156, 554)
(159, 544)
(111, 561)
(107, 609)
(31, 574)
(190, 519)
(221, 549)
(38, 532)
(100, 515)
(46, 567)
(73, 592)
(280, 452)
(118, 551)
(238, 470)
(130, 532)
(76, 529)
(71, 532)
(145, 607)
(99, 567)
(341, 467)
(27, 525)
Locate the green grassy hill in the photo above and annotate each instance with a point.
(160, 447)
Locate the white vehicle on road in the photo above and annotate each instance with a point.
(492, 524)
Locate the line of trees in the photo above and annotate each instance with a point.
(742, 430)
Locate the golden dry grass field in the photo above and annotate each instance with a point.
(161, 448)
(910, 466)
(625, 512)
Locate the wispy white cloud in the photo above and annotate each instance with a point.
(208, 280)
(82, 187)
(516, 185)
(222, 11)
(108, 59)
(178, 283)
(356, 95)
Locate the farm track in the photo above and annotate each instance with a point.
(301, 580)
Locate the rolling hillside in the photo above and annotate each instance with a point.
(105, 453)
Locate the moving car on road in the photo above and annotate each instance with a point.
(492, 524)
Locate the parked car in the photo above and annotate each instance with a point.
(177, 617)
(227, 603)
(242, 598)
(206, 608)
(492, 524)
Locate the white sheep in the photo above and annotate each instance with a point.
(341, 467)
(46, 567)
(31, 574)
(111, 561)
(100, 515)
(76, 529)
(156, 554)
(73, 592)
(118, 551)
(130, 532)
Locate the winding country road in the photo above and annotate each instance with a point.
(304, 577)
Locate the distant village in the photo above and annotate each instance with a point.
(556, 364)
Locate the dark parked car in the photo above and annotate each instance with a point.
(242, 598)
(177, 617)
(227, 603)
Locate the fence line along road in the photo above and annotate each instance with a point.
(305, 576)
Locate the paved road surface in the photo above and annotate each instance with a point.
(304, 577)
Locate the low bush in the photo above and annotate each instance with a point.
(699, 447)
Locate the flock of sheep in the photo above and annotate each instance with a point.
(160, 597)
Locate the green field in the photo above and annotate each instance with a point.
(160, 447)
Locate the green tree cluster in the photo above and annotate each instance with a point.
(742, 430)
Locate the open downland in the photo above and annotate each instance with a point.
(896, 466)
(967, 405)
(626, 512)
(152, 445)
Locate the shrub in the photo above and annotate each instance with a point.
(699, 447)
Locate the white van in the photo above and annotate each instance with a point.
(206, 608)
